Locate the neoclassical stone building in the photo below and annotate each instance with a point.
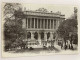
(41, 26)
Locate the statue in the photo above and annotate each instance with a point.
(42, 10)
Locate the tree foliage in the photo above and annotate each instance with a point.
(13, 31)
(66, 27)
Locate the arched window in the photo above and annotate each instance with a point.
(48, 35)
(36, 35)
(54, 35)
(28, 35)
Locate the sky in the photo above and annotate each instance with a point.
(67, 10)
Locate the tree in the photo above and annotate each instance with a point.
(66, 28)
(13, 31)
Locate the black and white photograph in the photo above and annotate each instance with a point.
(39, 29)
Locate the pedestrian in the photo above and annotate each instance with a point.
(65, 47)
(61, 45)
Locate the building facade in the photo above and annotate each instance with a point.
(41, 26)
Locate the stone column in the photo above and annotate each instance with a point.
(51, 35)
(45, 36)
(30, 22)
(52, 41)
(40, 23)
(58, 23)
(50, 23)
(45, 39)
(39, 38)
(37, 23)
(44, 23)
(24, 23)
(32, 35)
(34, 22)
